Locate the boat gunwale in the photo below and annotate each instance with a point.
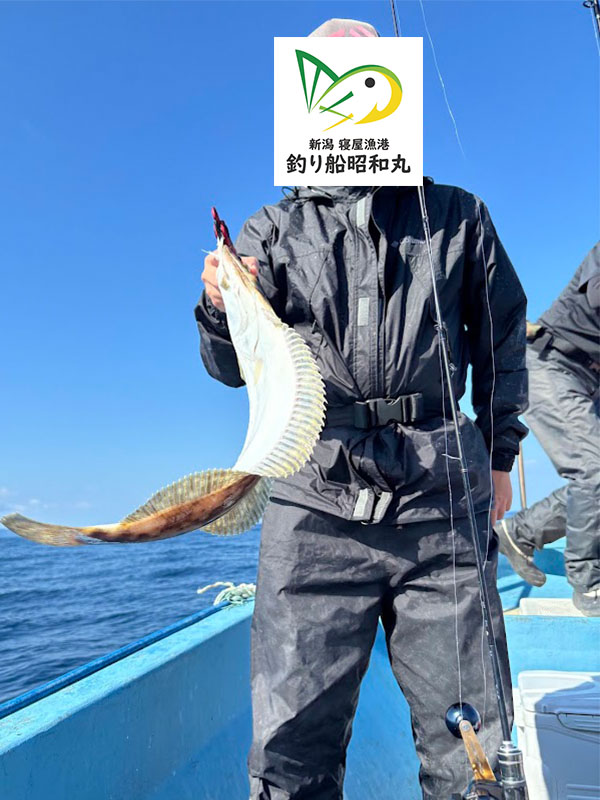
(95, 665)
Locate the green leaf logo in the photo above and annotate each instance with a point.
(350, 95)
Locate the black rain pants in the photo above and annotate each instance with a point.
(564, 414)
(323, 585)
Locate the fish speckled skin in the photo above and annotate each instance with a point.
(287, 409)
(175, 519)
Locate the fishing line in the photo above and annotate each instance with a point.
(493, 360)
(452, 528)
(596, 35)
(488, 628)
(448, 478)
(443, 336)
(442, 84)
(491, 501)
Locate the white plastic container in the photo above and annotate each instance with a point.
(557, 715)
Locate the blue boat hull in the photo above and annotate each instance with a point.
(171, 721)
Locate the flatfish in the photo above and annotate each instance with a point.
(287, 411)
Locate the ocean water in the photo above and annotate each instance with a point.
(62, 607)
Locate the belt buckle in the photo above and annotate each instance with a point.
(406, 409)
(387, 410)
(375, 413)
(368, 414)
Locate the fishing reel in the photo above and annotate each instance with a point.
(463, 722)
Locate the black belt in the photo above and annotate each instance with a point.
(367, 414)
(544, 340)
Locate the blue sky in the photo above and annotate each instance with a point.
(122, 123)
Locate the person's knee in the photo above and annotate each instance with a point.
(587, 478)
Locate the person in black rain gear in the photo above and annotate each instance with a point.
(362, 532)
(563, 359)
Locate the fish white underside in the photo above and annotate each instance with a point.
(285, 389)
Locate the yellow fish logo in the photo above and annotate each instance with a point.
(355, 95)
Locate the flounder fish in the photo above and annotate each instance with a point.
(287, 411)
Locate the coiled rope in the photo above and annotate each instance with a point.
(236, 595)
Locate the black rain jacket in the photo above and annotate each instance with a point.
(574, 315)
(347, 267)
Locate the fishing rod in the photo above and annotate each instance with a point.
(510, 758)
(594, 5)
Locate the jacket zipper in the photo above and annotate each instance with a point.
(376, 364)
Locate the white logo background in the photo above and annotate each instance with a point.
(400, 163)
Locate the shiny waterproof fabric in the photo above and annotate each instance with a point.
(348, 269)
(575, 314)
(323, 585)
(564, 414)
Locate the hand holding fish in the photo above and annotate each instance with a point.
(211, 283)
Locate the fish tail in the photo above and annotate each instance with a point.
(57, 535)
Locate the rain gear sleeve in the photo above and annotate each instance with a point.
(347, 267)
(216, 349)
(572, 320)
(499, 384)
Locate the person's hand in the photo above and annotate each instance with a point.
(209, 276)
(502, 494)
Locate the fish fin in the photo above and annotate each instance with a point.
(192, 486)
(243, 515)
(307, 418)
(41, 532)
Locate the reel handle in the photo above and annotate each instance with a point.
(463, 721)
(459, 712)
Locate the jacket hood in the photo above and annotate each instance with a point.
(347, 193)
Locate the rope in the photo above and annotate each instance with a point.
(236, 595)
